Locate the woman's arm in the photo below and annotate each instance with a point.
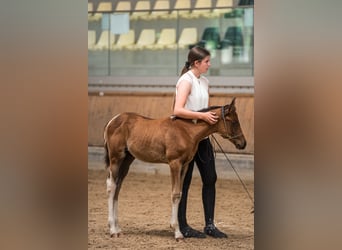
(183, 91)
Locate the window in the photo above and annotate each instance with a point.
(157, 37)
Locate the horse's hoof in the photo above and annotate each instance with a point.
(180, 239)
(179, 236)
(115, 235)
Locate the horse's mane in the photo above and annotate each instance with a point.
(173, 117)
(208, 109)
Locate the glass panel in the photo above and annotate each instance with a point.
(157, 44)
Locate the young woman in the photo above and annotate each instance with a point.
(192, 93)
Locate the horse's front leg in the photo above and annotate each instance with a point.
(176, 195)
(113, 224)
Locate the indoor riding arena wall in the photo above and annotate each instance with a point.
(101, 108)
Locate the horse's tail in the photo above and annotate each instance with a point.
(105, 145)
(106, 157)
(105, 138)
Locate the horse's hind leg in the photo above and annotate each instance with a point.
(117, 173)
(176, 181)
(111, 188)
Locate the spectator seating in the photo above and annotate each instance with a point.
(220, 7)
(163, 9)
(167, 40)
(181, 8)
(125, 40)
(187, 37)
(91, 39)
(233, 37)
(210, 39)
(198, 12)
(105, 41)
(142, 10)
(160, 10)
(90, 9)
(124, 6)
(103, 6)
(147, 37)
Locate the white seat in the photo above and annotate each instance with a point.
(103, 6)
(142, 8)
(90, 9)
(124, 40)
(187, 37)
(181, 4)
(160, 10)
(222, 4)
(167, 39)
(147, 37)
(105, 41)
(123, 6)
(91, 39)
(197, 12)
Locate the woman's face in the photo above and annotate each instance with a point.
(203, 65)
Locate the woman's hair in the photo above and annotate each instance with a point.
(195, 54)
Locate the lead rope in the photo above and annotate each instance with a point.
(241, 181)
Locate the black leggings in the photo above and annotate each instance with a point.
(205, 162)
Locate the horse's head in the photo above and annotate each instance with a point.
(229, 126)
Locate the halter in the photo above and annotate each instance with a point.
(225, 126)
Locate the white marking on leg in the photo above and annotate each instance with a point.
(109, 183)
(117, 228)
(111, 204)
(174, 216)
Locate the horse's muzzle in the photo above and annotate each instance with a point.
(241, 144)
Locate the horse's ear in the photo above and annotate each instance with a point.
(233, 102)
(232, 105)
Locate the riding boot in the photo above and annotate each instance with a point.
(213, 231)
(186, 230)
(182, 210)
(209, 208)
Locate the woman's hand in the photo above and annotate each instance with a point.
(210, 117)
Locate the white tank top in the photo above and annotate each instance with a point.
(199, 94)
